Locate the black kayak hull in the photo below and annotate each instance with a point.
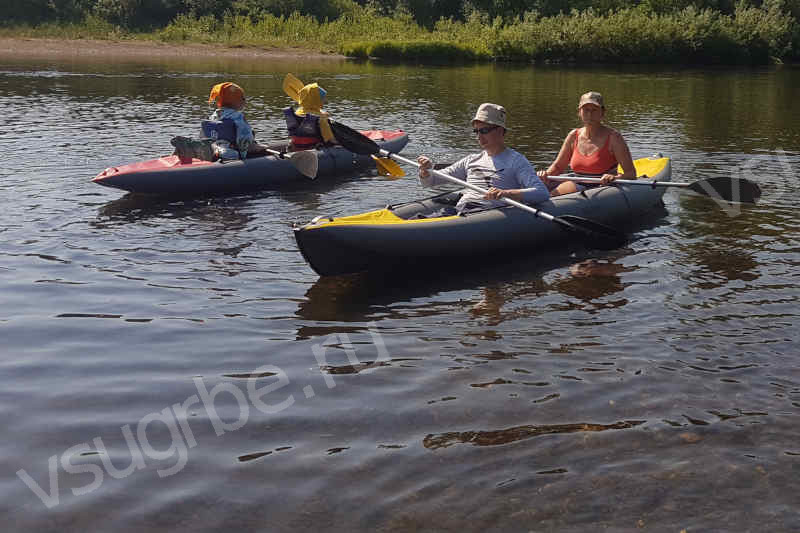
(392, 238)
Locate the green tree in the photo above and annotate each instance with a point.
(137, 13)
(38, 11)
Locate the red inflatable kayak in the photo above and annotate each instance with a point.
(169, 176)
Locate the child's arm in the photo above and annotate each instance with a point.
(325, 130)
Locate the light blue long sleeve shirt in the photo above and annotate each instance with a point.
(507, 170)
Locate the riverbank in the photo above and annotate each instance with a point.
(691, 36)
(57, 48)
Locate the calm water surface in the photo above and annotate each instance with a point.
(176, 366)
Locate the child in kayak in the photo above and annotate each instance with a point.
(308, 124)
(227, 135)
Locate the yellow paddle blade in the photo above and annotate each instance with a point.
(387, 167)
(292, 87)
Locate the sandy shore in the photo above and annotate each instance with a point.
(28, 47)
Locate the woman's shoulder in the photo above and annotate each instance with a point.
(572, 136)
(615, 136)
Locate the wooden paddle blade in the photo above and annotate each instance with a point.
(387, 167)
(594, 234)
(292, 87)
(728, 189)
(305, 161)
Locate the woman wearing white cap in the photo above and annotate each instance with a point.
(503, 171)
(593, 149)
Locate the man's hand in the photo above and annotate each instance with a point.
(424, 165)
(495, 194)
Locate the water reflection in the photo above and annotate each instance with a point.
(593, 279)
(354, 297)
(514, 434)
(212, 214)
(716, 243)
(362, 297)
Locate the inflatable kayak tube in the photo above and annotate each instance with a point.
(168, 176)
(402, 235)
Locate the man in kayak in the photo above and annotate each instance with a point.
(594, 149)
(308, 124)
(503, 171)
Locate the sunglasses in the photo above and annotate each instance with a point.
(484, 130)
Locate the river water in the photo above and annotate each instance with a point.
(175, 365)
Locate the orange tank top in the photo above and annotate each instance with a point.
(597, 162)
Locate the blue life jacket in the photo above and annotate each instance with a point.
(219, 130)
(304, 131)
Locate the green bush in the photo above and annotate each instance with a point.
(438, 51)
(189, 28)
(751, 35)
(652, 31)
(320, 10)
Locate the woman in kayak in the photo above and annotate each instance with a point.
(308, 124)
(593, 149)
(227, 135)
(503, 171)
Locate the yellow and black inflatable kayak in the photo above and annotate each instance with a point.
(406, 233)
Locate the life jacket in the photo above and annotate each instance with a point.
(219, 130)
(303, 130)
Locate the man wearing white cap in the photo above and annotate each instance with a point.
(503, 171)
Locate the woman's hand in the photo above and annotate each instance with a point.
(424, 165)
(605, 179)
(543, 177)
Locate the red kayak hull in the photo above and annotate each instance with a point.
(167, 175)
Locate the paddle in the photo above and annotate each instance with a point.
(292, 87)
(305, 161)
(722, 187)
(594, 234)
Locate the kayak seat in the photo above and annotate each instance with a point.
(450, 198)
